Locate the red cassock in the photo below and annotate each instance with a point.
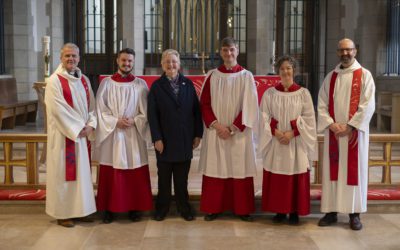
(124, 179)
(123, 190)
(227, 178)
(286, 175)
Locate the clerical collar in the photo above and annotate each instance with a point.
(235, 69)
(73, 73)
(119, 78)
(294, 87)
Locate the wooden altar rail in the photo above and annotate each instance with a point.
(30, 162)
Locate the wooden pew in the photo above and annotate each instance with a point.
(388, 105)
(13, 111)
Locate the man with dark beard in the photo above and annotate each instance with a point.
(121, 106)
(345, 106)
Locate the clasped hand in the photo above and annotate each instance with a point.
(86, 131)
(124, 122)
(340, 130)
(223, 132)
(284, 137)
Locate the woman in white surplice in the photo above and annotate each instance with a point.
(287, 145)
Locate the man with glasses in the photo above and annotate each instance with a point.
(346, 104)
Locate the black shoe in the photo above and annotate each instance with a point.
(355, 222)
(187, 216)
(293, 219)
(108, 217)
(279, 218)
(328, 219)
(159, 216)
(210, 217)
(246, 217)
(135, 216)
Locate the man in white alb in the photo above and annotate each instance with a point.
(346, 104)
(70, 123)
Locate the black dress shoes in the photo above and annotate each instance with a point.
(328, 219)
(355, 222)
(108, 217)
(135, 216)
(159, 216)
(246, 217)
(279, 218)
(187, 216)
(210, 217)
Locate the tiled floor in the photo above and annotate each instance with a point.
(38, 231)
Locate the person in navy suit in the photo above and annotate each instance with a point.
(176, 129)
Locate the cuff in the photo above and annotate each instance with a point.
(293, 124)
(273, 124)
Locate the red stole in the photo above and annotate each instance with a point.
(70, 160)
(352, 155)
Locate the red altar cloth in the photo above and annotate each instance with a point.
(262, 82)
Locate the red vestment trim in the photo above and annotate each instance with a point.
(118, 78)
(70, 159)
(205, 100)
(205, 104)
(352, 155)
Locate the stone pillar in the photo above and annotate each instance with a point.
(371, 35)
(54, 10)
(21, 61)
(363, 21)
(260, 35)
(132, 30)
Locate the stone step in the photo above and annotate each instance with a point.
(31, 207)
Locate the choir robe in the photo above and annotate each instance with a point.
(124, 179)
(68, 199)
(338, 196)
(286, 176)
(228, 166)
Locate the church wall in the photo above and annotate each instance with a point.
(363, 21)
(25, 23)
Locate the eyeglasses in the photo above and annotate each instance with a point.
(348, 50)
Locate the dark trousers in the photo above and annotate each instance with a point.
(179, 171)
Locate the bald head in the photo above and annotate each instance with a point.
(346, 52)
(346, 42)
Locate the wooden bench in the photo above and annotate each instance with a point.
(388, 106)
(13, 111)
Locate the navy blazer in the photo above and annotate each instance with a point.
(176, 120)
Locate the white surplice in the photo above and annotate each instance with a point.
(68, 199)
(234, 157)
(337, 196)
(122, 148)
(284, 107)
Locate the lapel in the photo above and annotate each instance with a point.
(168, 89)
(182, 89)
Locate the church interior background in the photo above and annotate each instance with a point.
(265, 29)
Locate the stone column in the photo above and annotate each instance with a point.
(260, 35)
(132, 30)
